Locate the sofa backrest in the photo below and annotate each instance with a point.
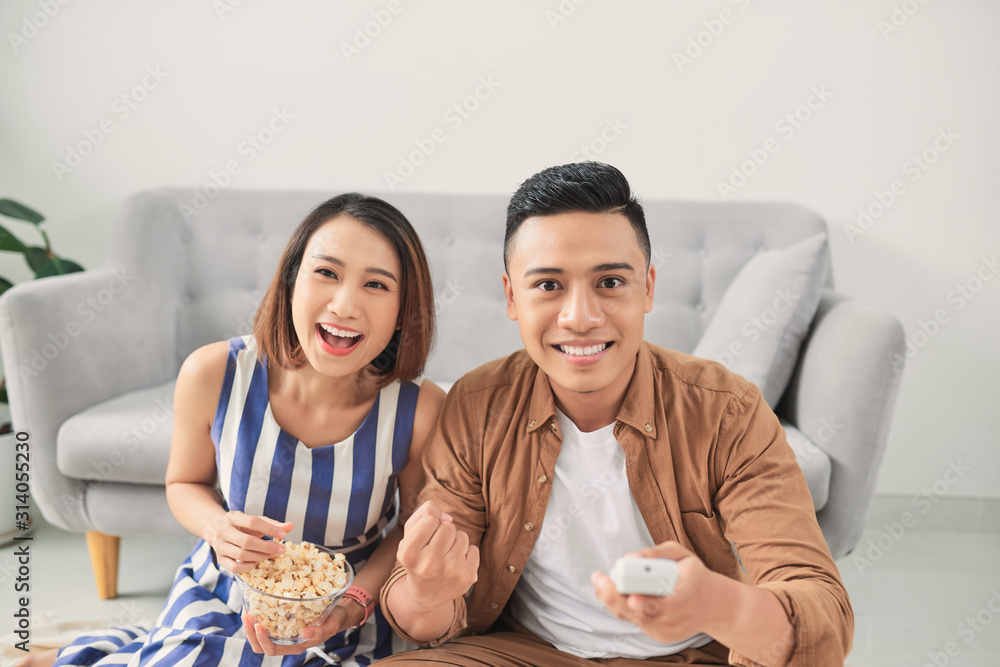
(208, 260)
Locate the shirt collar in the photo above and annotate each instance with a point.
(637, 409)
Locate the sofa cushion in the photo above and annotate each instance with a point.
(765, 314)
(125, 439)
(815, 464)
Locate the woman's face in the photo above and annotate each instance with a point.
(346, 299)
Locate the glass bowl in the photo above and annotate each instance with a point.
(284, 617)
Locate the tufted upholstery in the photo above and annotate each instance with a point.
(99, 408)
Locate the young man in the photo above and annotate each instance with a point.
(591, 444)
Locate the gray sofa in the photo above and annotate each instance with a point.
(91, 358)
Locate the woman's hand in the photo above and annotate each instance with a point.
(346, 614)
(236, 539)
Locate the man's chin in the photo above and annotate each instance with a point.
(576, 385)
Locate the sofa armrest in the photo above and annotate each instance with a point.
(842, 396)
(68, 343)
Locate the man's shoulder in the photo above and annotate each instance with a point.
(685, 372)
(500, 374)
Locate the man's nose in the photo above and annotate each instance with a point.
(581, 311)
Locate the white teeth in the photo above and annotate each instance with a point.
(340, 332)
(583, 351)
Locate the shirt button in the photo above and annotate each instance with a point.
(493, 605)
(528, 525)
(512, 568)
(542, 478)
(532, 424)
(553, 425)
(649, 427)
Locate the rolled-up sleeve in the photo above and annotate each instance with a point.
(766, 512)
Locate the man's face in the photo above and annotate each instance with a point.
(578, 287)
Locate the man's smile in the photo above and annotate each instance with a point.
(583, 352)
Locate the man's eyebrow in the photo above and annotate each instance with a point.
(614, 266)
(611, 266)
(370, 269)
(541, 269)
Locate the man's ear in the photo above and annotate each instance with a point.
(650, 283)
(508, 291)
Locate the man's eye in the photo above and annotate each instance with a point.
(611, 283)
(548, 285)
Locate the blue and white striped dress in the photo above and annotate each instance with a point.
(341, 495)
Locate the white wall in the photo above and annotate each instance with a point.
(681, 131)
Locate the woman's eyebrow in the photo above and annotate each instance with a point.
(370, 269)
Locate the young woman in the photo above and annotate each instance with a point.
(308, 428)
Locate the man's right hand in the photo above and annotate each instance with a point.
(440, 563)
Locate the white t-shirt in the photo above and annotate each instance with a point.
(591, 520)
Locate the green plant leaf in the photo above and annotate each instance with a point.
(57, 266)
(35, 257)
(4, 286)
(19, 211)
(10, 242)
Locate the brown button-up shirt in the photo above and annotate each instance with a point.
(707, 463)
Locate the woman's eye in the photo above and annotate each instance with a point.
(548, 285)
(376, 284)
(326, 273)
(611, 283)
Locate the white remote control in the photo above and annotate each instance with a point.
(644, 576)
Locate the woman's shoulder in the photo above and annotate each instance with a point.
(206, 366)
(428, 392)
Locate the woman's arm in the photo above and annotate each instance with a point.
(191, 472)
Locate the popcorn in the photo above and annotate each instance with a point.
(303, 578)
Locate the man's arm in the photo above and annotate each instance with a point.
(791, 607)
(438, 558)
(766, 512)
(440, 567)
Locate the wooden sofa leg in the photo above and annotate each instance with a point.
(104, 559)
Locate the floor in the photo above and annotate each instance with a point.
(920, 598)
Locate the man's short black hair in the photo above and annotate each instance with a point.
(588, 187)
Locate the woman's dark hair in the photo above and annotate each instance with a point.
(405, 355)
(589, 187)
